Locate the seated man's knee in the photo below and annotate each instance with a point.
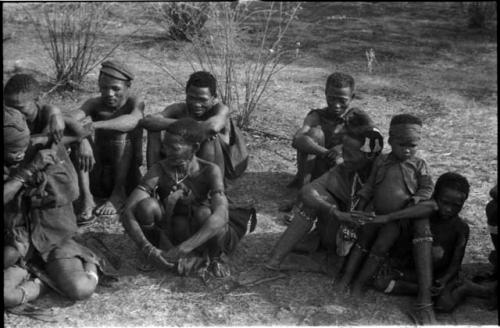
(201, 214)
(317, 135)
(148, 211)
(80, 285)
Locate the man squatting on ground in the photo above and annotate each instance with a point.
(178, 214)
(329, 199)
(203, 106)
(39, 188)
(398, 179)
(116, 149)
(318, 140)
(450, 234)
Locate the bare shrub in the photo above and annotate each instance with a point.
(480, 13)
(182, 20)
(244, 45)
(70, 33)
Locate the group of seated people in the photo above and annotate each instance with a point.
(369, 209)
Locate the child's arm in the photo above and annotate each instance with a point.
(457, 257)
(421, 210)
(425, 184)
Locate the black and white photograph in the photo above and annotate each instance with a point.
(250, 163)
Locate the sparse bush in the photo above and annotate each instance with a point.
(244, 47)
(479, 13)
(69, 33)
(183, 20)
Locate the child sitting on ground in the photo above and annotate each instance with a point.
(398, 180)
(450, 235)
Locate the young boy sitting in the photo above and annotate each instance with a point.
(450, 235)
(318, 140)
(398, 180)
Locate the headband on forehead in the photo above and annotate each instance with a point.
(405, 132)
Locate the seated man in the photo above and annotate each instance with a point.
(117, 146)
(39, 223)
(179, 212)
(450, 234)
(22, 92)
(327, 199)
(318, 140)
(224, 145)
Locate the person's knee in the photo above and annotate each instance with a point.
(11, 297)
(80, 286)
(317, 135)
(421, 228)
(148, 211)
(201, 214)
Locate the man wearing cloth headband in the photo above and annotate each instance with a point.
(39, 223)
(329, 199)
(116, 149)
(398, 180)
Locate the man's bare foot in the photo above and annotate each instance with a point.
(86, 216)
(110, 207)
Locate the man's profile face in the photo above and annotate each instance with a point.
(338, 100)
(178, 153)
(354, 158)
(199, 100)
(114, 92)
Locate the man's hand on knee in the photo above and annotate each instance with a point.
(86, 158)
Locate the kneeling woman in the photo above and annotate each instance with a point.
(39, 224)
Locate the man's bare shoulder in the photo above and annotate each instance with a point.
(175, 110)
(312, 118)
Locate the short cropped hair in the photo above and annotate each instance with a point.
(188, 129)
(340, 80)
(453, 181)
(203, 79)
(405, 119)
(21, 83)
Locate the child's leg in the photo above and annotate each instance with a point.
(10, 256)
(396, 282)
(367, 235)
(387, 236)
(422, 255)
(454, 294)
(17, 288)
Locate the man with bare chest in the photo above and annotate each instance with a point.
(224, 144)
(116, 149)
